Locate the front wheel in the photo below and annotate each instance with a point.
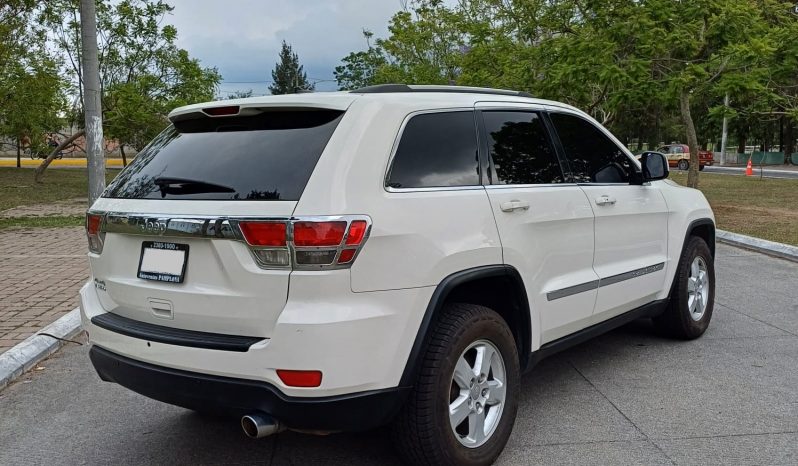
(693, 297)
(464, 402)
(683, 164)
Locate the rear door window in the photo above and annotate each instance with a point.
(267, 156)
(436, 150)
(593, 157)
(520, 149)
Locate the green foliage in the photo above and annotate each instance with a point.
(288, 76)
(31, 92)
(240, 94)
(626, 62)
(144, 75)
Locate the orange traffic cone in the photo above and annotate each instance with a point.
(749, 171)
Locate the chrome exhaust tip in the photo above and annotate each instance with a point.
(260, 425)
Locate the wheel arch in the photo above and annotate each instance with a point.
(499, 287)
(703, 228)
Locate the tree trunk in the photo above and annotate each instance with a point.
(92, 106)
(19, 153)
(692, 138)
(46, 162)
(122, 151)
(789, 140)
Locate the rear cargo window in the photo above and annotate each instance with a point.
(267, 156)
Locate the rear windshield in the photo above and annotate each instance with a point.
(268, 156)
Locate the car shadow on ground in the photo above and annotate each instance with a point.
(220, 440)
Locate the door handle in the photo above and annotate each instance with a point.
(514, 205)
(604, 200)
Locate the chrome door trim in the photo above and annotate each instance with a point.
(606, 281)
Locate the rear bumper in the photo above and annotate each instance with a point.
(192, 390)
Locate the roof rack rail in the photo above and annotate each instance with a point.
(391, 88)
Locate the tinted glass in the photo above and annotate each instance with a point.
(437, 149)
(593, 157)
(519, 145)
(269, 156)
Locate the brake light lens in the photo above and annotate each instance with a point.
(357, 230)
(306, 243)
(319, 233)
(94, 224)
(264, 233)
(222, 111)
(300, 378)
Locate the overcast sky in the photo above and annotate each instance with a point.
(242, 37)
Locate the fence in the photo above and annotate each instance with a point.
(757, 158)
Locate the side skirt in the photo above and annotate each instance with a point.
(651, 309)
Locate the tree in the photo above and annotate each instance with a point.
(240, 94)
(143, 74)
(288, 77)
(359, 69)
(31, 92)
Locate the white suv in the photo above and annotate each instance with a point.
(395, 254)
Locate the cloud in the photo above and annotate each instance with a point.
(242, 38)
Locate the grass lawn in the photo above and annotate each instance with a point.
(17, 188)
(766, 208)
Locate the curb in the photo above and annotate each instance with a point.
(771, 248)
(25, 355)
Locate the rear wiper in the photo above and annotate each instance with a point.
(179, 186)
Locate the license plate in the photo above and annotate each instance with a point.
(163, 262)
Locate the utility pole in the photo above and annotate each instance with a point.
(725, 134)
(92, 105)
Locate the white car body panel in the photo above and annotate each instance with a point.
(358, 325)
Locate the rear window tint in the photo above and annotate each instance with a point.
(437, 150)
(268, 156)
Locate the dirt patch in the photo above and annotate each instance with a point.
(66, 208)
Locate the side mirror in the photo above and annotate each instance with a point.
(655, 166)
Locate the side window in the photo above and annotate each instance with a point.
(520, 148)
(594, 158)
(437, 150)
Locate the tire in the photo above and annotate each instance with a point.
(685, 318)
(683, 164)
(701, 168)
(422, 432)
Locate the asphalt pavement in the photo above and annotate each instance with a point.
(628, 397)
(779, 172)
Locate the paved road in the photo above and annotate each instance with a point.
(627, 397)
(767, 172)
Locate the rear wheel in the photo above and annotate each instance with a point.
(683, 164)
(692, 300)
(463, 406)
(701, 168)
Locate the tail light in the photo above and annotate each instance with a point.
(94, 232)
(317, 243)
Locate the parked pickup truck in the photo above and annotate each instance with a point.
(679, 156)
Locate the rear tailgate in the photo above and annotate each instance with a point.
(171, 250)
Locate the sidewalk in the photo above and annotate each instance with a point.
(41, 271)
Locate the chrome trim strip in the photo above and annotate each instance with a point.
(221, 227)
(572, 290)
(631, 274)
(540, 185)
(611, 280)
